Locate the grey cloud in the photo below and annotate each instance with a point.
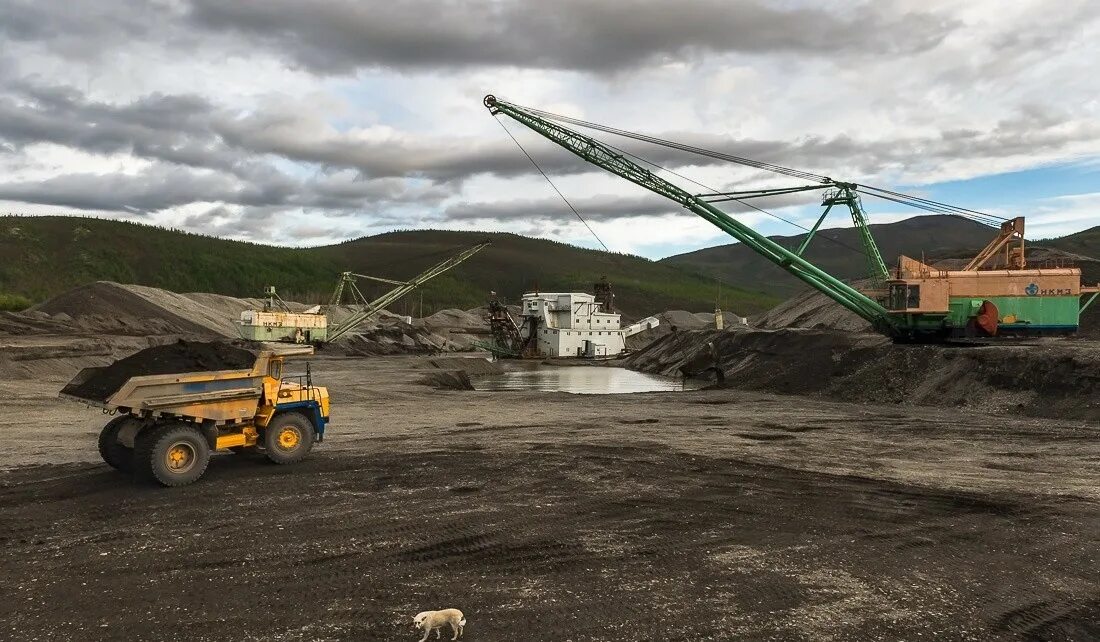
(164, 186)
(596, 208)
(88, 30)
(200, 153)
(252, 223)
(188, 130)
(149, 191)
(173, 128)
(605, 207)
(1038, 31)
(181, 132)
(191, 131)
(439, 158)
(255, 224)
(193, 162)
(343, 35)
(295, 136)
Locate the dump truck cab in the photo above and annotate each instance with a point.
(166, 426)
(282, 393)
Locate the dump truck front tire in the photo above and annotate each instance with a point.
(117, 455)
(173, 454)
(288, 438)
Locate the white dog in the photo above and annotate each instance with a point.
(436, 620)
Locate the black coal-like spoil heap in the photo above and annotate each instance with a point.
(182, 356)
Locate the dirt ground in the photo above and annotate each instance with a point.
(705, 515)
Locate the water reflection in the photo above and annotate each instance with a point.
(583, 380)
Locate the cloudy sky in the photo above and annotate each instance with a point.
(304, 123)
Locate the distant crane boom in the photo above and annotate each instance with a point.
(372, 308)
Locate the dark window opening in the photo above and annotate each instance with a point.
(897, 297)
(903, 296)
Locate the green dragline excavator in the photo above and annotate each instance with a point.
(918, 302)
(367, 309)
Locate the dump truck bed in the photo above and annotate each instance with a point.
(220, 395)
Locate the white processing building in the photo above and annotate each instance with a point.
(571, 324)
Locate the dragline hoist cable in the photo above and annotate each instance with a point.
(674, 173)
(736, 200)
(898, 197)
(544, 175)
(929, 205)
(772, 167)
(578, 214)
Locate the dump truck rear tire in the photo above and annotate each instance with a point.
(173, 454)
(288, 438)
(117, 455)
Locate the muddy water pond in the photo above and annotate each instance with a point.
(582, 380)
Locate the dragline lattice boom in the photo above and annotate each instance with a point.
(603, 156)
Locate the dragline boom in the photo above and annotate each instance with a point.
(603, 156)
(403, 287)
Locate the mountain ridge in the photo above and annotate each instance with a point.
(46, 255)
(838, 251)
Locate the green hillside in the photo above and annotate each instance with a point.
(1085, 243)
(838, 252)
(43, 256)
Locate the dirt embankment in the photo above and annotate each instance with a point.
(114, 308)
(96, 322)
(453, 373)
(676, 320)
(59, 358)
(812, 309)
(1042, 378)
(107, 308)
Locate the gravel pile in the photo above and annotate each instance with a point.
(1046, 378)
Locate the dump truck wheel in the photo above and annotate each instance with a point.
(172, 454)
(117, 455)
(288, 438)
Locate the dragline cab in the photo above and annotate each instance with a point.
(995, 294)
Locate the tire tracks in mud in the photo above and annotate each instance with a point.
(582, 541)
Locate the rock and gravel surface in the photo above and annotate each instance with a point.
(888, 493)
(707, 515)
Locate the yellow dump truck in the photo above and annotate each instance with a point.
(166, 425)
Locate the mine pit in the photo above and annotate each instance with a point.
(802, 492)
